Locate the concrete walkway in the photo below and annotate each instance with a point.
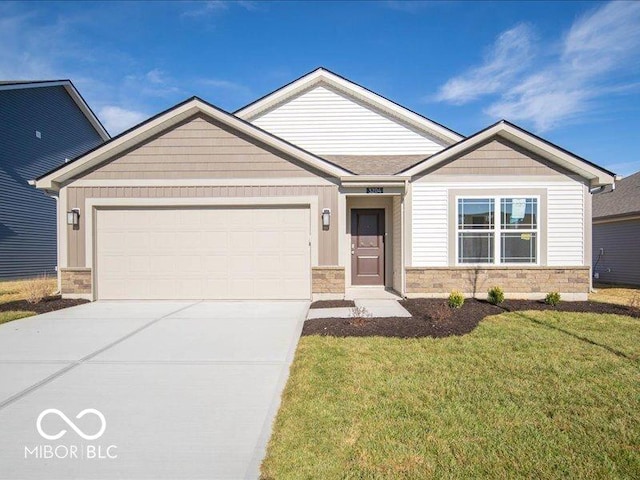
(187, 389)
(378, 308)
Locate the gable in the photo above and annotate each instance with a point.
(202, 148)
(325, 121)
(498, 157)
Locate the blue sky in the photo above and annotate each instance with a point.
(569, 71)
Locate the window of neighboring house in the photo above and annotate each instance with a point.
(497, 230)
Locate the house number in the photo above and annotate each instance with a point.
(375, 190)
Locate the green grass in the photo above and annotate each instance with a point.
(14, 315)
(526, 395)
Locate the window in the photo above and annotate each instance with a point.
(497, 230)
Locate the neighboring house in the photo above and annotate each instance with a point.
(41, 124)
(616, 232)
(318, 189)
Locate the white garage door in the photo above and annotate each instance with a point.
(208, 253)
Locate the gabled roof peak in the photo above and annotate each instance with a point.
(322, 75)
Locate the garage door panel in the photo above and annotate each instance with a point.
(194, 253)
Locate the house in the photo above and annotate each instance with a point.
(41, 124)
(616, 232)
(319, 190)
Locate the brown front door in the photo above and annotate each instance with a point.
(367, 247)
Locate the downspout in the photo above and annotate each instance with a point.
(55, 196)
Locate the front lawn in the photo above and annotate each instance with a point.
(525, 395)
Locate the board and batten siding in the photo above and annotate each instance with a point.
(200, 148)
(325, 121)
(620, 262)
(28, 216)
(327, 198)
(565, 220)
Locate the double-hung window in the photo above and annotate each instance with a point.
(497, 230)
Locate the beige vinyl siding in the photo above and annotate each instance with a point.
(620, 262)
(499, 157)
(397, 244)
(565, 219)
(200, 148)
(325, 121)
(327, 198)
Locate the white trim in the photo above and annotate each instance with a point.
(497, 231)
(322, 76)
(204, 182)
(91, 204)
(595, 175)
(167, 120)
(82, 296)
(73, 93)
(62, 230)
(342, 230)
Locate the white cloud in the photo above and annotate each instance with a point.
(598, 56)
(205, 8)
(223, 84)
(510, 55)
(117, 119)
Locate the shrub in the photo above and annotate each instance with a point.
(440, 312)
(359, 316)
(456, 299)
(552, 298)
(36, 289)
(495, 295)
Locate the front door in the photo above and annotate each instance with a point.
(367, 247)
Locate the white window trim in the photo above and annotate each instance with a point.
(498, 230)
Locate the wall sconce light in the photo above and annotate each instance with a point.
(326, 218)
(73, 218)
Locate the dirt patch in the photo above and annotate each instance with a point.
(333, 304)
(433, 318)
(49, 304)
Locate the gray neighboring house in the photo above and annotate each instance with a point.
(41, 124)
(616, 233)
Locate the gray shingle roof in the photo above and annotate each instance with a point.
(375, 164)
(624, 200)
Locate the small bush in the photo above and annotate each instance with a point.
(552, 298)
(495, 295)
(359, 316)
(456, 299)
(440, 312)
(36, 289)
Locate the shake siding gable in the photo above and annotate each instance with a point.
(200, 148)
(325, 122)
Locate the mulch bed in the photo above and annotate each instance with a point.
(49, 304)
(333, 304)
(433, 318)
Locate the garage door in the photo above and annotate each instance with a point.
(208, 253)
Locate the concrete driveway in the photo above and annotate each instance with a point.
(185, 389)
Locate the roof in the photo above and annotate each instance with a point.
(168, 118)
(323, 76)
(375, 164)
(622, 201)
(71, 90)
(570, 161)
